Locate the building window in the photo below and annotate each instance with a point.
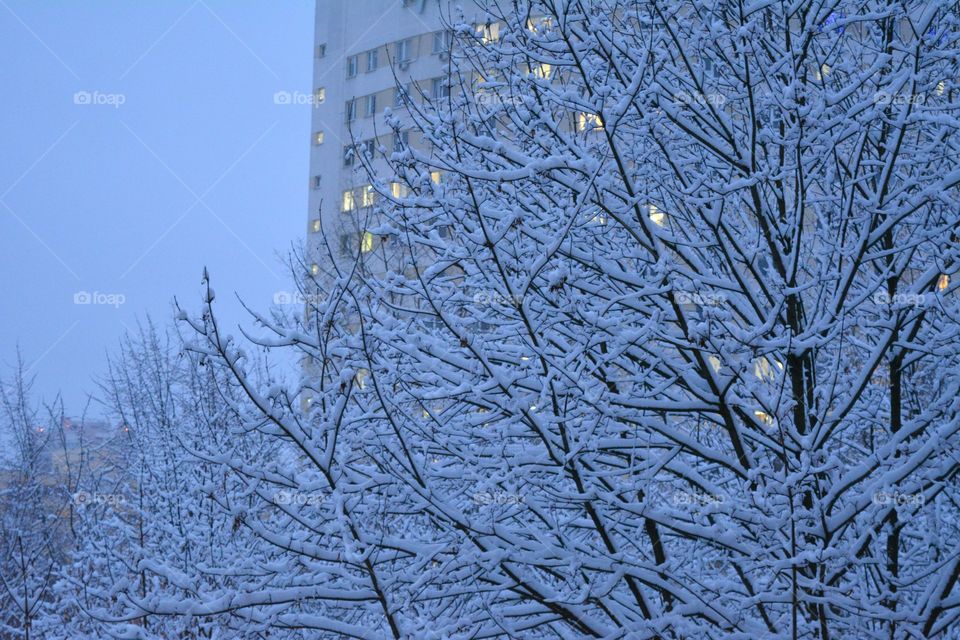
(403, 50)
(321, 50)
(371, 103)
(350, 111)
(541, 70)
(400, 97)
(489, 32)
(436, 177)
(658, 217)
(318, 138)
(314, 268)
(348, 154)
(367, 196)
(348, 203)
(372, 60)
(366, 242)
(943, 282)
(351, 66)
(316, 182)
(315, 226)
(400, 140)
(399, 190)
(440, 88)
(589, 122)
(320, 96)
(441, 41)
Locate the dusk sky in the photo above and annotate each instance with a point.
(142, 144)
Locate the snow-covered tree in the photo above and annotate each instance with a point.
(668, 347)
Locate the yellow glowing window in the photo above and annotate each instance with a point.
(314, 268)
(435, 176)
(765, 370)
(941, 87)
(764, 417)
(658, 217)
(367, 196)
(315, 226)
(943, 282)
(538, 24)
(541, 70)
(715, 363)
(366, 242)
(599, 218)
(361, 378)
(589, 121)
(489, 32)
(348, 203)
(318, 137)
(321, 95)
(399, 190)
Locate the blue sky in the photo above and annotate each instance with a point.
(142, 144)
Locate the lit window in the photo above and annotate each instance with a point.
(350, 111)
(372, 60)
(321, 50)
(371, 104)
(658, 217)
(589, 122)
(318, 137)
(315, 226)
(599, 218)
(764, 370)
(314, 268)
(348, 203)
(541, 70)
(367, 195)
(366, 242)
(320, 96)
(943, 282)
(715, 363)
(403, 50)
(539, 24)
(316, 182)
(351, 66)
(361, 378)
(941, 87)
(399, 190)
(764, 417)
(489, 32)
(436, 176)
(822, 71)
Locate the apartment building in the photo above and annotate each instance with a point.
(370, 55)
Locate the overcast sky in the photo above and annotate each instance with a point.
(141, 143)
